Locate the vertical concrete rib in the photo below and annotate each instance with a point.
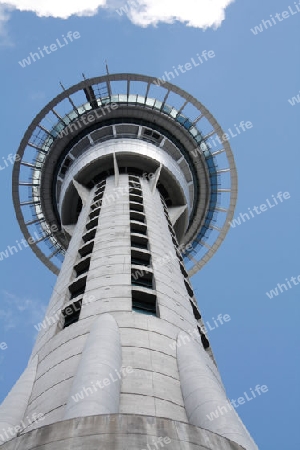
(204, 394)
(13, 408)
(96, 384)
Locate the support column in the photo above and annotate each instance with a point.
(97, 381)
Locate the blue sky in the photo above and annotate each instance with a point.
(251, 78)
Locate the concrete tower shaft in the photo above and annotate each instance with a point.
(115, 266)
(128, 200)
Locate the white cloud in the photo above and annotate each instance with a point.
(4, 17)
(194, 13)
(57, 8)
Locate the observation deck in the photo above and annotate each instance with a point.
(128, 123)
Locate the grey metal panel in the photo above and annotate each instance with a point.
(103, 132)
(78, 148)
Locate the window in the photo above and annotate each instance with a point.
(143, 278)
(134, 190)
(196, 312)
(92, 223)
(174, 241)
(82, 267)
(136, 207)
(179, 255)
(151, 134)
(98, 198)
(137, 216)
(139, 241)
(134, 178)
(82, 271)
(140, 257)
(89, 235)
(71, 313)
(141, 246)
(141, 226)
(77, 287)
(142, 282)
(100, 190)
(170, 223)
(163, 202)
(183, 271)
(172, 230)
(86, 249)
(138, 228)
(65, 166)
(204, 339)
(136, 198)
(96, 205)
(94, 213)
(134, 183)
(76, 292)
(189, 289)
(144, 303)
(138, 262)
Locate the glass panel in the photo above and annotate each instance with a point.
(87, 106)
(194, 131)
(158, 104)
(73, 115)
(174, 113)
(167, 109)
(143, 311)
(105, 100)
(115, 98)
(132, 98)
(181, 119)
(60, 126)
(81, 110)
(66, 120)
(122, 98)
(188, 124)
(141, 99)
(143, 283)
(150, 101)
(138, 262)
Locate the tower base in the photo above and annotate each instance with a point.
(120, 432)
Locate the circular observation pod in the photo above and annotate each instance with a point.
(142, 126)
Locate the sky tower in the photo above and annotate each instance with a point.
(119, 193)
